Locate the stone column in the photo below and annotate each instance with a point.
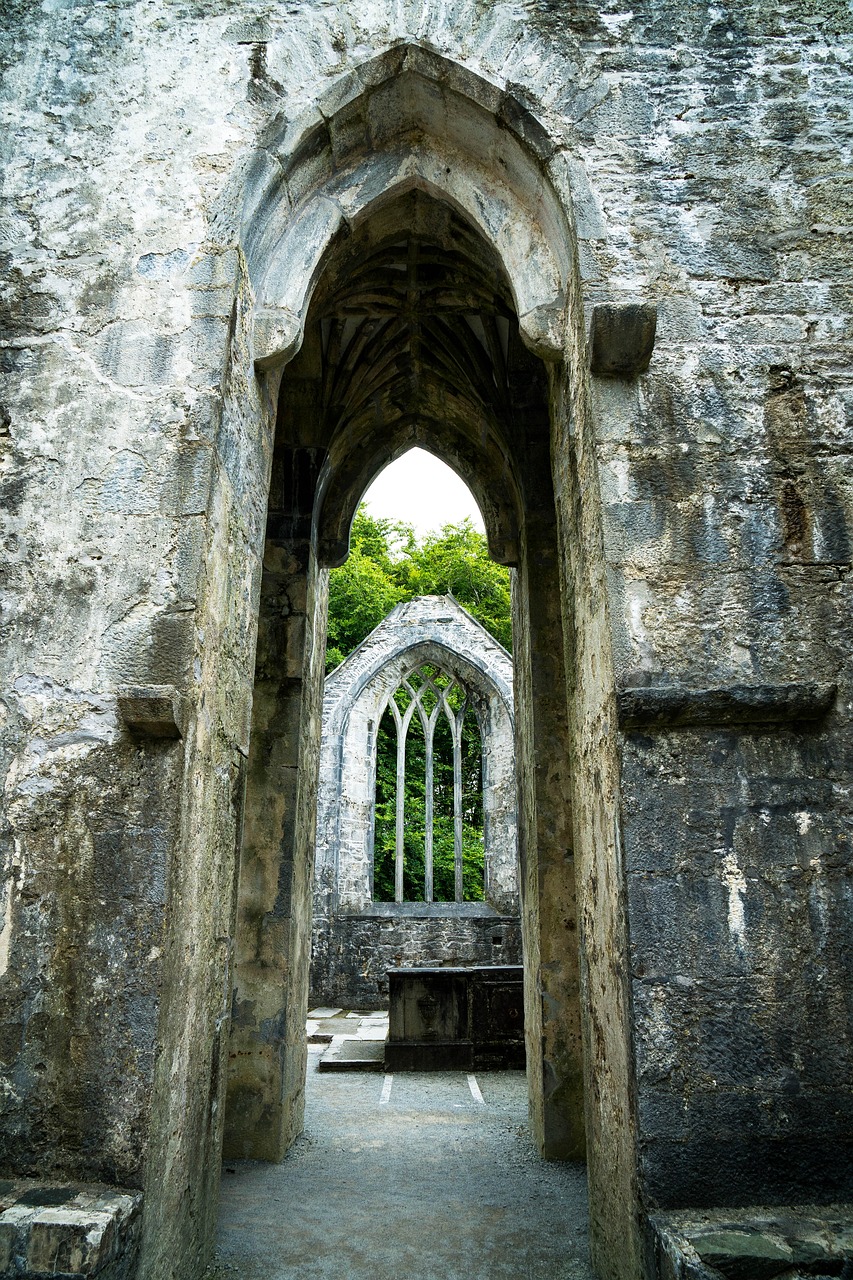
(549, 909)
(268, 1048)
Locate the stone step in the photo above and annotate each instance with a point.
(353, 1053)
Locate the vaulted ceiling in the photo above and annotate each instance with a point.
(412, 339)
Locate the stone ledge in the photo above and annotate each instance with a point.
(427, 911)
(677, 706)
(756, 1243)
(153, 711)
(68, 1230)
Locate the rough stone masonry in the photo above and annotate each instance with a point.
(598, 258)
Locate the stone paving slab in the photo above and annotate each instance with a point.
(350, 1023)
(353, 1053)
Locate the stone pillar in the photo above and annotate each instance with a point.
(267, 1052)
(549, 909)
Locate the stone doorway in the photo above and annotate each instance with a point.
(422, 300)
(411, 338)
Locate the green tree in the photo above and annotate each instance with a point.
(387, 564)
(364, 590)
(456, 561)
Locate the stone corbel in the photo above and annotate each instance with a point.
(543, 329)
(153, 711)
(679, 706)
(276, 337)
(622, 339)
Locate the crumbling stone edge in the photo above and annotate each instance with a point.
(790, 1242)
(68, 1230)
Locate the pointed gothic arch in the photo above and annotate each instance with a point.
(433, 632)
(461, 152)
(409, 119)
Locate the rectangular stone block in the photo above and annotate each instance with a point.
(67, 1240)
(71, 1231)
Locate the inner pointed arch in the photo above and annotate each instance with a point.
(412, 340)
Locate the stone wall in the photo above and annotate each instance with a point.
(354, 954)
(157, 162)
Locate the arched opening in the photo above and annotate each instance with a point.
(421, 490)
(410, 276)
(366, 922)
(434, 854)
(412, 338)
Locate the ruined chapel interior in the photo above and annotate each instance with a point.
(596, 259)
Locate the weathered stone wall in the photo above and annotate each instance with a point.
(136, 449)
(726, 502)
(353, 954)
(704, 515)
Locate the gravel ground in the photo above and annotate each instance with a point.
(432, 1184)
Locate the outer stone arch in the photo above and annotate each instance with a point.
(348, 957)
(311, 187)
(406, 119)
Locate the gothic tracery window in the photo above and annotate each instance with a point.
(428, 838)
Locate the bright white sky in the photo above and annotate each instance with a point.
(423, 491)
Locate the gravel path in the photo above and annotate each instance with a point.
(430, 1184)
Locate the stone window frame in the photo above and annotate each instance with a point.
(429, 721)
(435, 631)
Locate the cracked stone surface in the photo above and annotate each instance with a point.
(181, 181)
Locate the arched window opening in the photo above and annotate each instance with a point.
(428, 834)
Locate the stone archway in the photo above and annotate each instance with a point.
(395, 305)
(411, 337)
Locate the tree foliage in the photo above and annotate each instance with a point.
(387, 565)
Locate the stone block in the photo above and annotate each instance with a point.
(748, 1244)
(153, 711)
(453, 1019)
(622, 339)
(669, 705)
(72, 1231)
(276, 335)
(66, 1240)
